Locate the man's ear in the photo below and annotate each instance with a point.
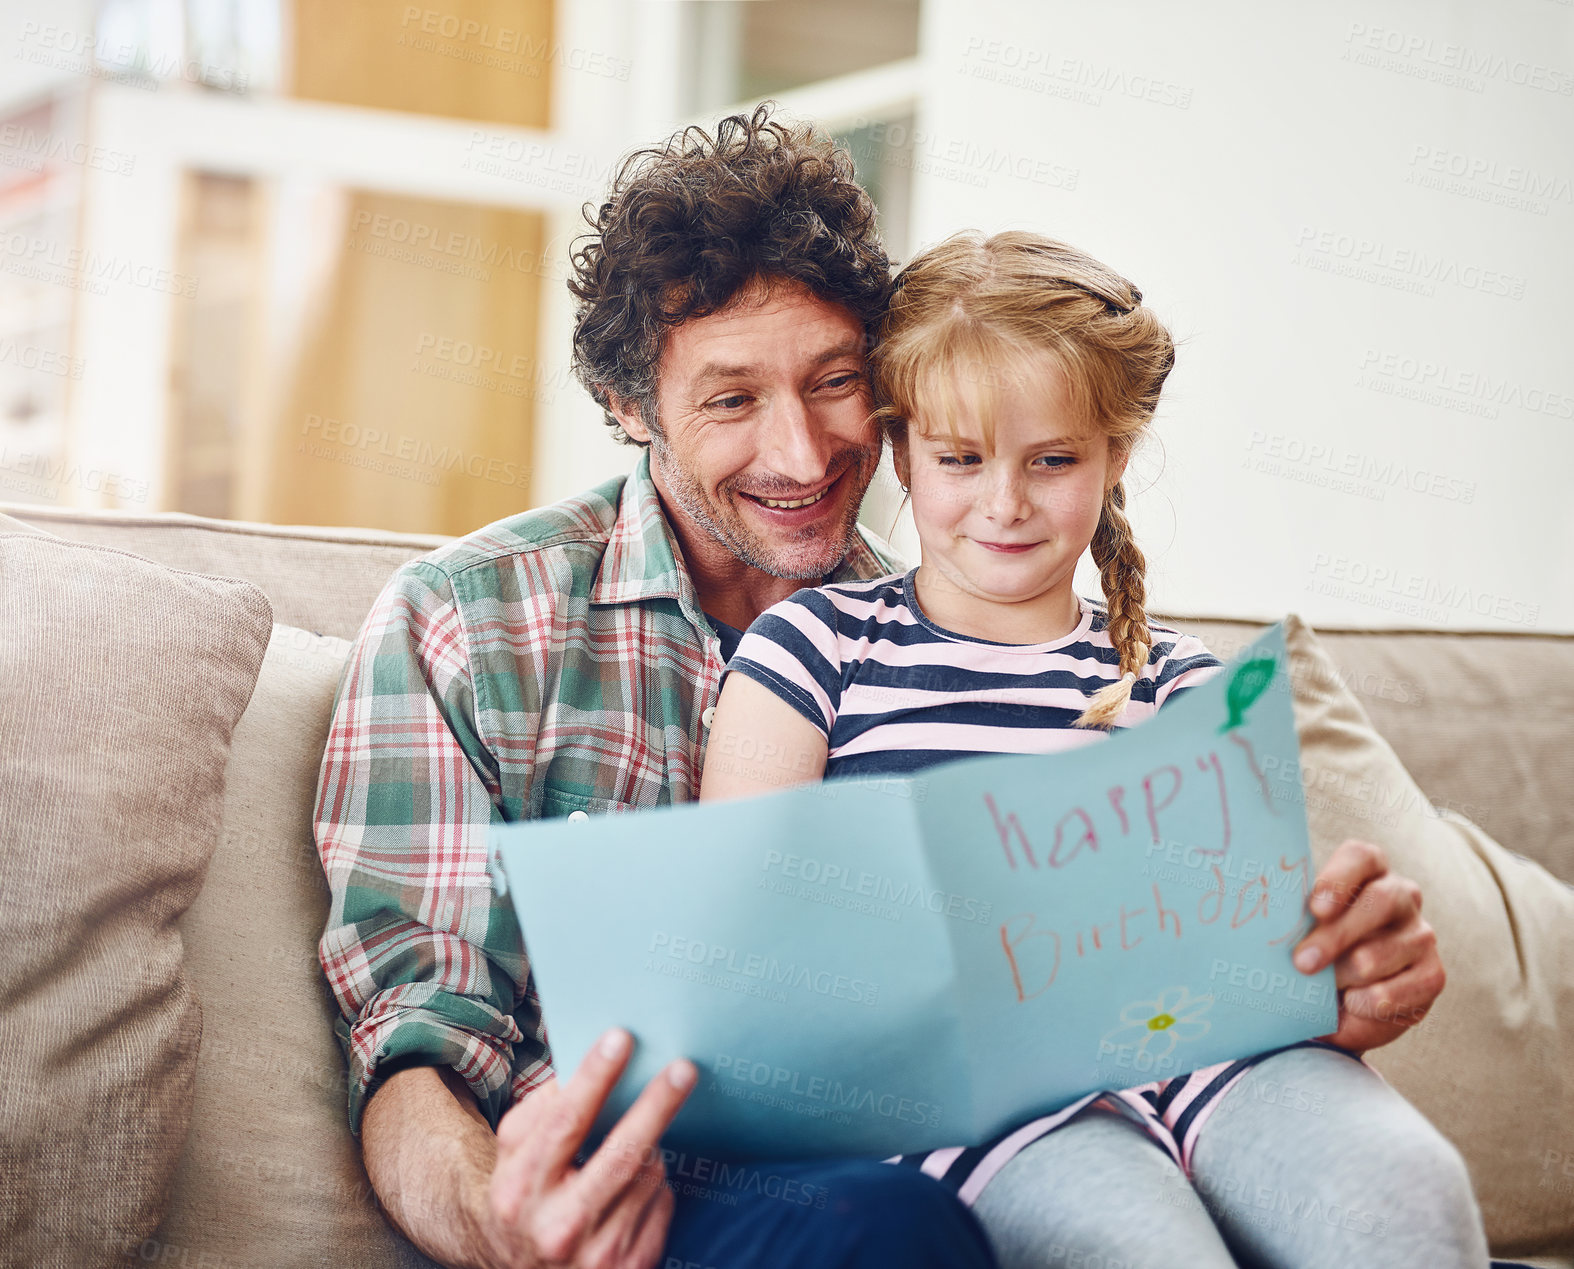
(628, 416)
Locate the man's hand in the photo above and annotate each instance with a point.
(1369, 925)
(612, 1213)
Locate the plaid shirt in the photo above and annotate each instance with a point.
(553, 662)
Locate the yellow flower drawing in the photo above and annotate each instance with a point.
(1154, 1027)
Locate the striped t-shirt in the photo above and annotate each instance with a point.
(895, 693)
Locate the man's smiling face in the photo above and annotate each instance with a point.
(763, 403)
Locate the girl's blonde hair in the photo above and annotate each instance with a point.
(974, 315)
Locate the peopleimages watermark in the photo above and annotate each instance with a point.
(1274, 453)
(914, 788)
(1414, 594)
(553, 167)
(31, 148)
(806, 1092)
(47, 259)
(1515, 186)
(698, 1176)
(1557, 1169)
(444, 250)
(494, 369)
(1324, 676)
(47, 361)
(501, 47)
(1199, 868)
(261, 1060)
(294, 1173)
(1273, 1207)
(152, 1251)
(405, 456)
(1018, 65)
(39, 475)
(965, 160)
(87, 53)
(720, 960)
(1445, 62)
(1402, 268)
(1436, 381)
(1350, 790)
(1295, 988)
(822, 878)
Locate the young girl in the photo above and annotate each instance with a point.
(1015, 376)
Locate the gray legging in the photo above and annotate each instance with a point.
(1346, 1173)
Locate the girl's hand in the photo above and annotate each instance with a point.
(1386, 963)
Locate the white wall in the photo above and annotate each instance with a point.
(46, 43)
(1264, 173)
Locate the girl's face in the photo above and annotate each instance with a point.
(1001, 530)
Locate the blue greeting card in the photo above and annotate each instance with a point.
(877, 967)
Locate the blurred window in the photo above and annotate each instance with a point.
(883, 154)
(228, 45)
(742, 50)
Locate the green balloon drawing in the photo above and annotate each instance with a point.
(1248, 683)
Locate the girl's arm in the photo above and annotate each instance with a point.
(758, 744)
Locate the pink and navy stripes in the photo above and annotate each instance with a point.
(895, 693)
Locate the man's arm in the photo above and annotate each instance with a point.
(427, 965)
(425, 960)
(471, 1200)
(429, 1154)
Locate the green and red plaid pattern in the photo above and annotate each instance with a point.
(554, 661)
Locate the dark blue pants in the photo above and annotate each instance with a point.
(841, 1214)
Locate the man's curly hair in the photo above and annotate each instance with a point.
(689, 224)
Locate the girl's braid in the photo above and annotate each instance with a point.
(1122, 571)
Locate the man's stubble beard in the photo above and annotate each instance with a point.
(745, 545)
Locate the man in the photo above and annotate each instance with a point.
(564, 662)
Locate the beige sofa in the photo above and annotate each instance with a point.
(269, 1175)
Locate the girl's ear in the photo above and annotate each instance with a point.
(1117, 467)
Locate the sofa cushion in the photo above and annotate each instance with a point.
(1480, 722)
(321, 579)
(9, 524)
(271, 1175)
(122, 682)
(1518, 691)
(1489, 1066)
